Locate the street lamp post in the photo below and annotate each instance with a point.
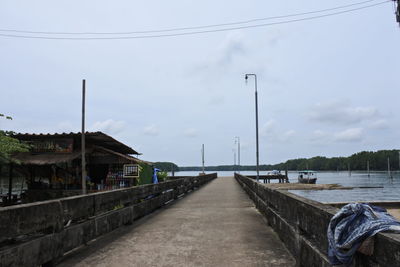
(234, 159)
(237, 140)
(256, 103)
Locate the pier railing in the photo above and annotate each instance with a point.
(302, 225)
(38, 233)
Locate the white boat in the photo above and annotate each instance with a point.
(307, 177)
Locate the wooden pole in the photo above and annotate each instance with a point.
(202, 156)
(368, 168)
(238, 154)
(10, 178)
(349, 169)
(83, 147)
(399, 159)
(388, 162)
(286, 175)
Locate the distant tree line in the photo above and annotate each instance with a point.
(166, 166)
(377, 161)
(225, 168)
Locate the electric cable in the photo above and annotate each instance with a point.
(195, 32)
(190, 28)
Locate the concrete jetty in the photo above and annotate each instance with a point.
(187, 221)
(216, 225)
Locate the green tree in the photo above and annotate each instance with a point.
(9, 145)
(166, 166)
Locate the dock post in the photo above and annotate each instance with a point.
(388, 162)
(348, 165)
(10, 178)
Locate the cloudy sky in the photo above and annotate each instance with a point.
(328, 86)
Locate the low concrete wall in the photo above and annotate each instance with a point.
(302, 225)
(39, 233)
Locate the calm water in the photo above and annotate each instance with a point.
(19, 186)
(389, 192)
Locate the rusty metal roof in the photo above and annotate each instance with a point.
(28, 158)
(45, 159)
(130, 158)
(98, 138)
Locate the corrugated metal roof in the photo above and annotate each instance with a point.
(27, 158)
(98, 138)
(45, 159)
(130, 158)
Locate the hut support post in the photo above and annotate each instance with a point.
(10, 178)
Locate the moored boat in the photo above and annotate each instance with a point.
(307, 177)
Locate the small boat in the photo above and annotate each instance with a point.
(307, 177)
(274, 172)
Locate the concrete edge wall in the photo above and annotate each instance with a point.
(302, 225)
(56, 238)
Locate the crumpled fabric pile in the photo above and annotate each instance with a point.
(353, 224)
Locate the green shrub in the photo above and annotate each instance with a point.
(162, 176)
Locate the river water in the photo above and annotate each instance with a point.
(390, 190)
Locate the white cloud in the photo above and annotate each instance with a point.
(191, 132)
(232, 46)
(319, 135)
(288, 135)
(151, 130)
(340, 112)
(349, 135)
(273, 132)
(108, 126)
(268, 128)
(379, 124)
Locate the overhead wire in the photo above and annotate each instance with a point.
(193, 27)
(199, 32)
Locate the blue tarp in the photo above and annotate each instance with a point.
(155, 178)
(352, 225)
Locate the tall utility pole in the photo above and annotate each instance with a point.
(202, 156)
(83, 147)
(237, 139)
(256, 103)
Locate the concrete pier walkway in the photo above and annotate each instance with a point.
(216, 225)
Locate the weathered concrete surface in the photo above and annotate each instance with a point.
(41, 233)
(302, 224)
(217, 225)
